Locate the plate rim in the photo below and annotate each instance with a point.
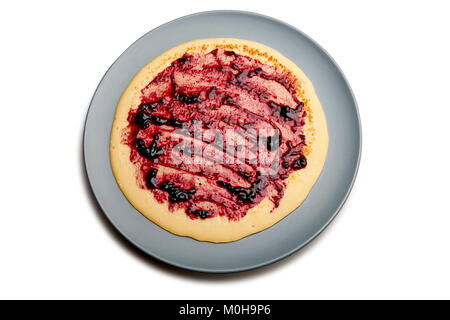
(283, 255)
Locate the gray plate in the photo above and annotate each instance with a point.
(287, 236)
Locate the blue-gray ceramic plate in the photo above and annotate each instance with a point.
(290, 234)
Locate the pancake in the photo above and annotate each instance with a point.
(217, 139)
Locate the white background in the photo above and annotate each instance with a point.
(391, 240)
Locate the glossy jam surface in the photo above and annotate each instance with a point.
(217, 133)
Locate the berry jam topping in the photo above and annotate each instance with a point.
(142, 118)
(243, 194)
(151, 179)
(216, 133)
(299, 163)
(176, 193)
(183, 60)
(202, 214)
(187, 100)
(150, 152)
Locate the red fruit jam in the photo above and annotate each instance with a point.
(216, 133)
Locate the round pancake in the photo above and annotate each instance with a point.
(264, 214)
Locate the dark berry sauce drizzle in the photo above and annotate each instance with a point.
(220, 91)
